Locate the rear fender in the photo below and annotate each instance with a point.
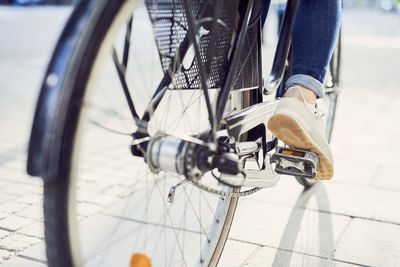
(45, 139)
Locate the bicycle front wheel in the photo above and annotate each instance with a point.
(105, 206)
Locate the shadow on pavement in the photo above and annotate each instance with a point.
(293, 226)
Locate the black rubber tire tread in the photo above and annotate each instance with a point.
(56, 225)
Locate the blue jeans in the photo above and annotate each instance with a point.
(314, 35)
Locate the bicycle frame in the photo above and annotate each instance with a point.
(43, 130)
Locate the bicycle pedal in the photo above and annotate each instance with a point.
(295, 162)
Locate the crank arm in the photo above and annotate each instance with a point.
(249, 118)
(254, 177)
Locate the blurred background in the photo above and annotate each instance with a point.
(386, 5)
(37, 2)
(360, 205)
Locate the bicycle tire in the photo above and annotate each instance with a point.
(333, 93)
(331, 98)
(81, 197)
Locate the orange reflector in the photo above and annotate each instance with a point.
(140, 260)
(292, 153)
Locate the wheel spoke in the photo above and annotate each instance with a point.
(168, 216)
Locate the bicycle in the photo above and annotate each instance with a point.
(194, 157)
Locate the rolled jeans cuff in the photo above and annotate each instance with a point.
(308, 82)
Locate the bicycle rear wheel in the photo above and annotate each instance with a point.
(104, 205)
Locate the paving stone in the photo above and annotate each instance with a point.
(14, 222)
(20, 177)
(16, 165)
(36, 251)
(22, 262)
(103, 200)
(388, 177)
(4, 233)
(88, 209)
(370, 243)
(20, 189)
(395, 142)
(341, 198)
(369, 156)
(13, 165)
(33, 212)
(364, 147)
(236, 253)
(30, 199)
(87, 190)
(362, 201)
(118, 191)
(18, 242)
(273, 257)
(355, 172)
(35, 229)
(12, 207)
(4, 183)
(84, 196)
(4, 198)
(4, 255)
(294, 229)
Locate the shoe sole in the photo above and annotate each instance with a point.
(292, 134)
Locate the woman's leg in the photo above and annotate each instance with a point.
(314, 35)
(296, 121)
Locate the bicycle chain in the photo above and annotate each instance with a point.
(223, 193)
(194, 176)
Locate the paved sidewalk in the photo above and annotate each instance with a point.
(30, 37)
(352, 220)
(355, 218)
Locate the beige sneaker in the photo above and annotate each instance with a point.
(299, 125)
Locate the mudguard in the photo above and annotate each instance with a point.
(48, 118)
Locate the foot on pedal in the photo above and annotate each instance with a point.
(300, 126)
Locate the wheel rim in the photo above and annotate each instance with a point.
(120, 207)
